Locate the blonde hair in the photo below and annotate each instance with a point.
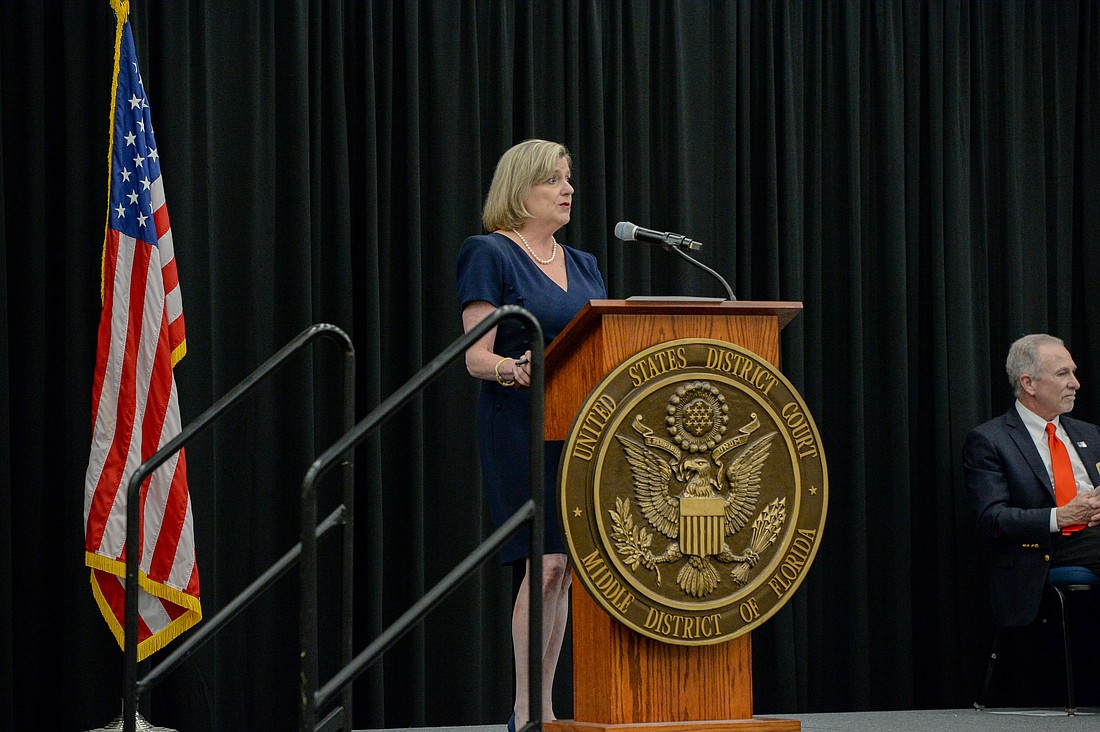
(519, 168)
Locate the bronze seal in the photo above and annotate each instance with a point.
(693, 491)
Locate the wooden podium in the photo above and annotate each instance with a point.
(624, 681)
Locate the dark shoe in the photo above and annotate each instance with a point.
(512, 723)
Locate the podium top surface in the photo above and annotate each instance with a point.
(784, 311)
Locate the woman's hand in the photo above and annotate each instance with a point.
(521, 370)
(483, 362)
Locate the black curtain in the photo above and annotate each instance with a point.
(921, 175)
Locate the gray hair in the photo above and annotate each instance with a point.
(1023, 358)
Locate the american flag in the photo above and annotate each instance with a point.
(134, 402)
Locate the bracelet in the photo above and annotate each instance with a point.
(500, 379)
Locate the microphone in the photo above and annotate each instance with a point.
(632, 232)
(674, 243)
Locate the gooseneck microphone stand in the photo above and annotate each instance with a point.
(680, 253)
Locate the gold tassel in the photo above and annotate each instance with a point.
(122, 12)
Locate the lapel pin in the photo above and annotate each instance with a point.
(1082, 443)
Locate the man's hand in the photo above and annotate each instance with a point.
(1083, 509)
(1092, 500)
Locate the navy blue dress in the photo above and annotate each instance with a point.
(492, 268)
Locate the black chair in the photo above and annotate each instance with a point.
(1062, 583)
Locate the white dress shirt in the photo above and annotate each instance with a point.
(1037, 428)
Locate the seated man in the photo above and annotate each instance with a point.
(1030, 475)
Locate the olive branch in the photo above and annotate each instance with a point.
(632, 542)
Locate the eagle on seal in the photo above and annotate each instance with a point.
(721, 499)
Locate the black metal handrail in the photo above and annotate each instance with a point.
(343, 514)
(310, 698)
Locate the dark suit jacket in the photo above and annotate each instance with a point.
(1011, 493)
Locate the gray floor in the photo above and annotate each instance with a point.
(939, 720)
(960, 720)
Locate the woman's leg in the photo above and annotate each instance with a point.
(557, 616)
(555, 610)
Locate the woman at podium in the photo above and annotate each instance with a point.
(521, 262)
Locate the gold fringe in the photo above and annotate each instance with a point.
(169, 633)
(179, 352)
(158, 589)
(107, 613)
(122, 12)
(98, 561)
(174, 629)
(171, 594)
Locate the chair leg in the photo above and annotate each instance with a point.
(984, 695)
(1071, 707)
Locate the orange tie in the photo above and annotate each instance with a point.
(1065, 486)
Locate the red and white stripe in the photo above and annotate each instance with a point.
(135, 412)
(173, 301)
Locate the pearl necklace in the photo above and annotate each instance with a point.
(540, 260)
